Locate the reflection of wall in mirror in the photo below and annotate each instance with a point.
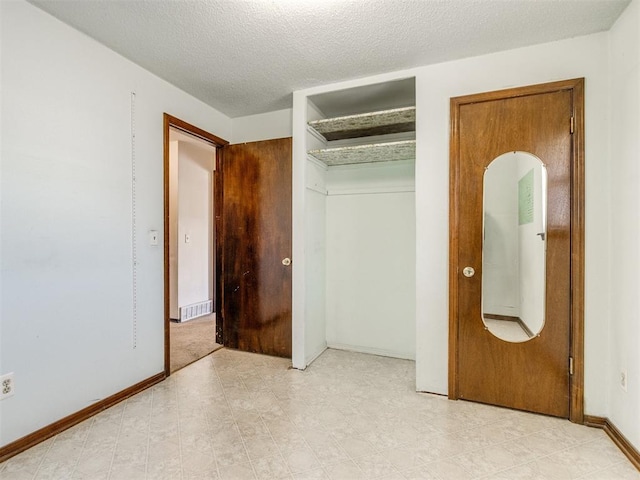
(532, 248)
(500, 272)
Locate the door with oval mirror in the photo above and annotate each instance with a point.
(514, 246)
(515, 204)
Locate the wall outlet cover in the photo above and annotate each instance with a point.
(7, 386)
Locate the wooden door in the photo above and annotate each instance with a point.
(256, 238)
(532, 375)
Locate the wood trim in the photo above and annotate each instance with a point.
(576, 86)
(616, 436)
(576, 410)
(168, 122)
(167, 280)
(506, 318)
(454, 157)
(516, 92)
(69, 421)
(193, 130)
(218, 191)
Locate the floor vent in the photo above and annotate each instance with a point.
(196, 310)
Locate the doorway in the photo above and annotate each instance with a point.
(190, 161)
(518, 267)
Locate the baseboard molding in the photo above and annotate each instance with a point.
(63, 424)
(618, 438)
(315, 356)
(371, 351)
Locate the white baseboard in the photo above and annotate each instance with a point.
(372, 351)
(312, 358)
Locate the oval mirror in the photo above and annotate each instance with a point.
(514, 246)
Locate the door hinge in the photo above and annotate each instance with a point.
(572, 125)
(570, 365)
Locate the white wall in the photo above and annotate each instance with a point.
(195, 220)
(370, 258)
(624, 332)
(263, 126)
(174, 309)
(500, 259)
(315, 340)
(66, 217)
(532, 249)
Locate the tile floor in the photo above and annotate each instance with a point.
(235, 415)
(506, 330)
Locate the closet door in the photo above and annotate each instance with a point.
(256, 247)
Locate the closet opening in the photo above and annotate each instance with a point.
(359, 210)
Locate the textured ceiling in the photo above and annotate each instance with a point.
(247, 56)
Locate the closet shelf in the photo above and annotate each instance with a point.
(383, 122)
(370, 153)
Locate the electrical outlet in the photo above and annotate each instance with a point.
(7, 386)
(623, 380)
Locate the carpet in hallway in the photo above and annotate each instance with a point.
(192, 340)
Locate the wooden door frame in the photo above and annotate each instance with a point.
(576, 347)
(169, 122)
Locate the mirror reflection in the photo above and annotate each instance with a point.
(514, 246)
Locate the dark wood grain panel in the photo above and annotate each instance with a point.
(256, 227)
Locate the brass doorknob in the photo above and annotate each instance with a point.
(468, 272)
(286, 261)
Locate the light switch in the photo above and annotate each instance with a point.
(187, 238)
(153, 238)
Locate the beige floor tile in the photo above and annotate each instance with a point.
(26, 463)
(94, 461)
(235, 415)
(209, 474)
(236, 472)
(301, 460)
(315, 474)
(260, 446)
(449, 469)
(619, 471)
(271, 467)
(127, 472)
(197, 462)
(420, 473)
(357, 446)
(233, 453)
(348, 470)
(17, 474)
(56, 468)
(375, 466)
(405, 458)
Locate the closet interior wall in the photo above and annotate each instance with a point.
(360, 245)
